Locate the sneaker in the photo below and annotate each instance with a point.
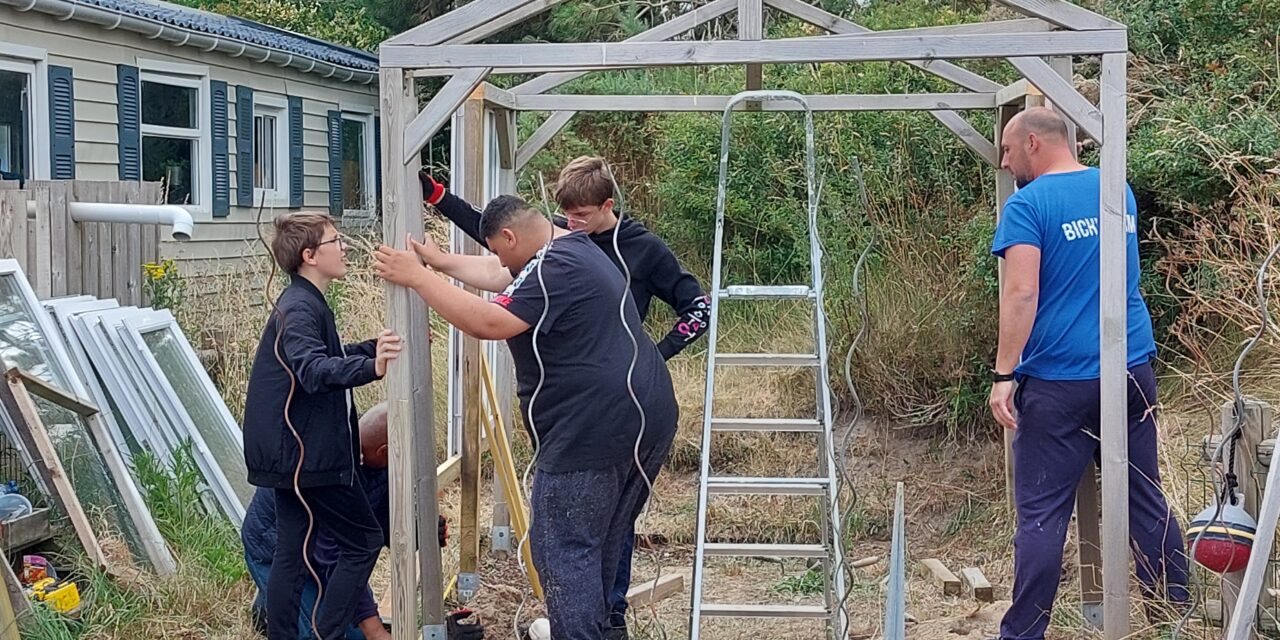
(616, 633)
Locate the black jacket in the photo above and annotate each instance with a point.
(655, 272)
(321, 409)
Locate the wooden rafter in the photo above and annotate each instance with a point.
(470, 20)
(1062, 13)
(710, 103)
(1067, 100)
(437, 112)
(590, 56)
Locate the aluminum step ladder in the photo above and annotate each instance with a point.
(823, 484)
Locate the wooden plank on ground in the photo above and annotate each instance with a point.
(17, 599)
(950, 583)
(982, 590)
(647, 593)
(22, 410)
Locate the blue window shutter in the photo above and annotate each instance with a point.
(335, 163)
(244, 146)
(129, 122)
(62, 123)
(377, 161)
(295, 152)
(221, 159)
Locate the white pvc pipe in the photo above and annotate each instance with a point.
(177, 217)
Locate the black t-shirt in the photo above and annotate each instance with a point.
(583, 414)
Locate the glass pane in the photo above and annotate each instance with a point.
(168, 105)
(353, 187)
(195, 398)
(23, 344)
(14, 125)
(264, 145)
(171, 161)
(98, 494)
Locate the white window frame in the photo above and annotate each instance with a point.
(34, 62)
(277, 106)
(193, 77)
(368, 177)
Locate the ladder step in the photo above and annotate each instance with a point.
(764, 610)
(766, 359)
(767, 486)
(754, 549)
(754, 292)
(799, 425)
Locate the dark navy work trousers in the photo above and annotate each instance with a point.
(1057, 436)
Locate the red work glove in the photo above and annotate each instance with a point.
(432, 191)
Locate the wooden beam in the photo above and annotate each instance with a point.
(1066, 99)
(408, 383)
(464, 20)
(1062, 13)
(1089, 548)
(505, 126)
(38, 387)
(716, 104)
(473, 158)
(942, 575)
(499, 23)
(831, 22)
(1113, 341)
(647, 593)
(664, 31)
(973, 578)
(497, 97)
(16, 400)
(835, 24)
(1016, 93)
(543, 135)
(751, 28)
(588, 56)
(1005, 188)
(437, 112)
(970, 136)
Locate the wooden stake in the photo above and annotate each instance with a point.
(950, 583)
(973, 578)
(647, 593)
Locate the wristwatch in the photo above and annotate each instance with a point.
(996, 376)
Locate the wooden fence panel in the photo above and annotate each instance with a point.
(13, 225)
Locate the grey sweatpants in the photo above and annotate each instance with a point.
(580, 522)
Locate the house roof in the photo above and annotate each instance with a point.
(242, 30)
(185, 26)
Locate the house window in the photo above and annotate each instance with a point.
(270, 150)
(18, 108)
(357, 164)
(172, 128)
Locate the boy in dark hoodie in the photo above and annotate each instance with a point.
(584, 192)
(314, 387)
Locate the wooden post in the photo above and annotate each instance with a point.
(409, 396)
(473, 160)
(751, 27)
(1113, 345)
(1257, 423)
(500, 539)
(1004, 190)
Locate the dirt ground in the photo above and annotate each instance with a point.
(956, 512)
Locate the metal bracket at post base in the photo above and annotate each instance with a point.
(500, 539)
(468, 584)
(1092, 614)
(435, 632)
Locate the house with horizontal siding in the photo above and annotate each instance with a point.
(230, 114)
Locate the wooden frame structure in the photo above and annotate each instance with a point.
(1039, 46)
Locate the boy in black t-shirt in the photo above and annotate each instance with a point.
(559, 316)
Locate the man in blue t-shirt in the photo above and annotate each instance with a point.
(1049, 309)
(558, 310)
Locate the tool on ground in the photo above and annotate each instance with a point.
(41, 583)
(458, 628)
(823, 484)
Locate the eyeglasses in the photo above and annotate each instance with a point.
(341, 242)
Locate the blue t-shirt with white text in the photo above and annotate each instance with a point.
(1058, 213)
